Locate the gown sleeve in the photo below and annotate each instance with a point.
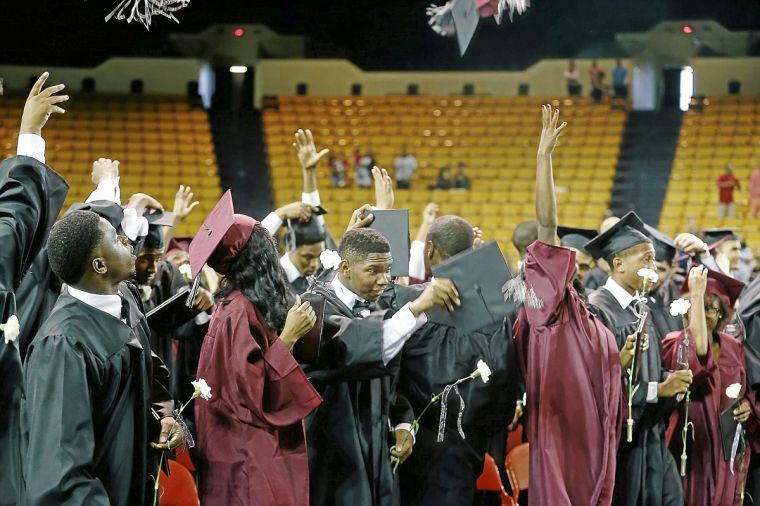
(58, 419)
(548, 271)
(160, 398)
(272, 389)
(703, 368)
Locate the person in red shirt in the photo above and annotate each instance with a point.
(754, 192)
(726, 184)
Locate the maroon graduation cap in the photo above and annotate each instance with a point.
(219, 240)
(726, 288)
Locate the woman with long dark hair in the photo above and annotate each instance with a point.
(250, 432)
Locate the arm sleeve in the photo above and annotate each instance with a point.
(31, 145)
(272, 388)
(58, 419)
(272, 223)
(417, 260)
(314, 200)
(548, 271)
(107, 189)
(397, 330)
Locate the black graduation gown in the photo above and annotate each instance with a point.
(596, 278)
(91, 382)
(348, 436)
(433, 357)
(646, 470)
(748, 310)
(31, 196)
(37, 294)
(659, 306)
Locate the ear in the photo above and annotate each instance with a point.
(344, 268)
(618, 264)
(99, 266)
(429, 249)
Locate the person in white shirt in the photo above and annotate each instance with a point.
(404, 165)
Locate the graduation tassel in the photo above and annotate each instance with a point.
(444, 408)
(683, 359)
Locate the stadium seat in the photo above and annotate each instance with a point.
(517, 465)
(490, 481)
(179, 488)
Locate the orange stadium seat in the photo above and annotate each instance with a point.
(161, 140)
(496, 137)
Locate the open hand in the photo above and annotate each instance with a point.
(104, 168)
(40, 104)
(307, 151)
(440, 292)
(183, 203)
(384, 197)
(477, 237)
(551, 132)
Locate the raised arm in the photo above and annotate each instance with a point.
(309, 158)
(546, 202)
(384, 198)
(697, 321)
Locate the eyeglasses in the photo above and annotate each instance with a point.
(712, 311)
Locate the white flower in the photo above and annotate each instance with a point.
(648, 274)
(329, 259)
(10, 329)
(732, 391)
(679, 307)
(483, 371)
(186, 271)
(201, 389)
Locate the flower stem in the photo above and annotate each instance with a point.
(156, 486)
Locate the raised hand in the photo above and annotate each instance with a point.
(551, 132)
(296, 211)
(140, 202)
(698, 280)
(690, 243)
(477, 238)
(300, 320)
(361, 218)
(307, 151)
(384, 197)
(183, 203)
(104, 168)
(440, 292)
(40, 104)
(430, 213)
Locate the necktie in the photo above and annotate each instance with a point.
(362, 308)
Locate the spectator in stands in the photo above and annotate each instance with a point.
(619, 75)
(444, 180)
(404, 165)
(754, 192)
(726, 184)
(593, 75)
(338, 170)
(364, 170)
(461, 180)
(573, 79)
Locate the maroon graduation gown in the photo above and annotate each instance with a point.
(572, 378)
(251, 434)
(708, 481)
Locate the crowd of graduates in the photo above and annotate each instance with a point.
(297, 367)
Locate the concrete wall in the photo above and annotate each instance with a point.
(160, 75)
(711, 75)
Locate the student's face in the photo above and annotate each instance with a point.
(584, 264)
(713, 312)
(115, 252)
(664, 270)
(733, 252)
(306, 258)
(368, 278)
(147, 264)
(637, 257)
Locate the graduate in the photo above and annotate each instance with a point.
(31, 196)
(95, 395)
(570, 363)
(726, 247)
(717, 361)
(437, 355)
(305, 241)
(349, 435)
(250, 433)
(646, 471)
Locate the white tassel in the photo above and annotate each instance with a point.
(444, 410)
(143, 10)
(510, 7)
(519, 292)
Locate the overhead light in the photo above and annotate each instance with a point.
(239, 31)
(238, 69)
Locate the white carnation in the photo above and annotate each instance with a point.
(483, 371)
(733, 391)
(679, 307)
(186, 271)
(10, 329)
(649, 274)
(329, 259)
(201, 389)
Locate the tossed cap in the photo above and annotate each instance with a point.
(393, 224)
(220, 238)
(664, 247)
(624, 234)
(575, 237)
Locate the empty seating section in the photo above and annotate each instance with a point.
(725, 130)
(161, 142)
(496, 137)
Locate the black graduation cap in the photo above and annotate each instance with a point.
(624, 234)
(479, 275)
(664, 247)
(304, 233)
(576, 238)
(714, 235)
(156, 221)
(111, 211)
(393, 224)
